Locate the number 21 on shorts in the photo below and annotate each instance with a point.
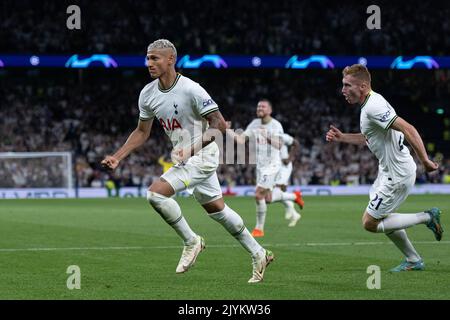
(375, 202)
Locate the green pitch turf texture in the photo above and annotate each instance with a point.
(126, 251)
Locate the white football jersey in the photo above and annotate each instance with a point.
(395, 160)
(180, 110)
(287, 142)
(266, 154)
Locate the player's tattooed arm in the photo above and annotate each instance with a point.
(217, 126)
(414, 139)
(216, 121)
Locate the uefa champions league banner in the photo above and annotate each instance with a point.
(134, 192)
(227, 61)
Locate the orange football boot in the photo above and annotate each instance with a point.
(299, 199)
(257, 233)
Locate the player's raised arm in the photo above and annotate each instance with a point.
(336, 135)
(414, 139)
(135, 140)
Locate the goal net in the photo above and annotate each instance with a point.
(36, 170)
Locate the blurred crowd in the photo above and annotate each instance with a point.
(91, 113)
(227, 27)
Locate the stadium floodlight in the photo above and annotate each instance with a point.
(36, 170)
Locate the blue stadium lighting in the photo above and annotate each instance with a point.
(34, 60)
(226, 61)
(400, 63)
(105, 59)
(362, 61)
(216, 60)
(324, 62)
(256, 61)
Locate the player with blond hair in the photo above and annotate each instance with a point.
(384, 132)
(191, 119)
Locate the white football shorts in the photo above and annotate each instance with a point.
(197, 176)
(284, 174)
(386, 197)
(266, 177)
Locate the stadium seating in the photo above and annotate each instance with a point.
(51, 110)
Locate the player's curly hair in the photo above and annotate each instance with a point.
(358, 71)
(162, 44)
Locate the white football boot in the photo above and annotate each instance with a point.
(294, 218)
(260, 264)
(190, 254)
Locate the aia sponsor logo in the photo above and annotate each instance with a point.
(170, 124)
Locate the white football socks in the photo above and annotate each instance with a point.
(288, 205)
(397, 221)
(400, 239)
(394, 227)
(233, 223)
(278, 195)
(289, 209)
(170, 211)
(261, 210)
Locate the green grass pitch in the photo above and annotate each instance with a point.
(126, 251)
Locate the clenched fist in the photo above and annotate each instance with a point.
(334, 134)
(430, 165)
(110, 163)
(180, 155)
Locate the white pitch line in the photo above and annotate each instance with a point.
(306, 244)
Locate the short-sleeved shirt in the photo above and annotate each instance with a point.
(266, 154)
(181, 111)
(395, 160)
